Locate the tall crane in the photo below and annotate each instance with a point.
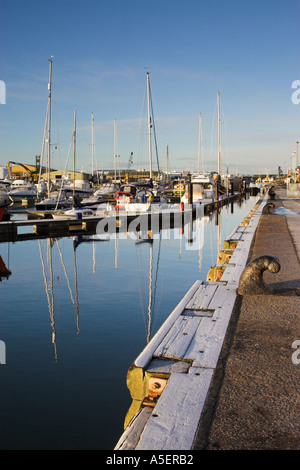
(26, 168)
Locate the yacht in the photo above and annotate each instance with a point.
(204, 187)
(21, 189)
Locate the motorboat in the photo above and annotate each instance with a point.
(92, 202)
(107, 190)
(54, 201)
(78, 188)
(21, 189)
(145, 201)
(203, 186)
(4, 197)
(75, 213)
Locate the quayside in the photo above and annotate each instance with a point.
(85, 308)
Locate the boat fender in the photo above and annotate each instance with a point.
(251, 280)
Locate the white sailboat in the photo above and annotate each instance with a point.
(145, 200)
(53, 199)
(204, 184)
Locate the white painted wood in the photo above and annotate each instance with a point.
(239, 256)
(179, 337)
(202, 297)
(232, 273)
(232, 233)
(167, 367)
(146, 355)
(206, 345)
(174, 421)
(195, 340)
(223, 298)
(131, 435)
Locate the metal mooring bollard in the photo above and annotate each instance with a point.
(272, 193)
(251, 280)
(268, 207)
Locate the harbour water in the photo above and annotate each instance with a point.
(74, 314)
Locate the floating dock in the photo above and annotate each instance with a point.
(18, 230)
(170, 380)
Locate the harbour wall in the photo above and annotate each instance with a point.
(170, 381)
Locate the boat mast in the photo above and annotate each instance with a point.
(167, 163)
(74, 151)
(219, 140)
(49, 122)
(149, 124)
(199, 144)
(93, 144)
(115, 149)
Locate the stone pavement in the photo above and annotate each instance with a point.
(255, 400)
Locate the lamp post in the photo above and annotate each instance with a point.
(294, 166)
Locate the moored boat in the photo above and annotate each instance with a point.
(3, 206)
(203, 187)
(74, 213)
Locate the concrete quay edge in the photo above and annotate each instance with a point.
(155, 432)
(254, 402)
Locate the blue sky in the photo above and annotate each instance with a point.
(248, 50)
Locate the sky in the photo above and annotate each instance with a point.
(247, 50)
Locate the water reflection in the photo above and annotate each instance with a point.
(84, 310)
(4, 271)
(49, 285)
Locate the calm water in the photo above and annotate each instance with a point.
(74, 319)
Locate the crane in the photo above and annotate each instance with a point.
(26, 168)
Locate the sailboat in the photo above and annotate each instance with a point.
(207, 185)
(60, 214)
(145, 199)
(53, 199)
(203, 184)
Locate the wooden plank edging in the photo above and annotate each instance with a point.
(198, 341)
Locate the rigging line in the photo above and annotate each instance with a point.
(44, 275)
(156, 272)
(76, 294)
(65, 169)
(50, 245)
(226, 136)
(57, 131)
(150, 294)
(154, 131)
(50, 308)
(141, 128)
(65, 271)
(140, 289)
(43, 143)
